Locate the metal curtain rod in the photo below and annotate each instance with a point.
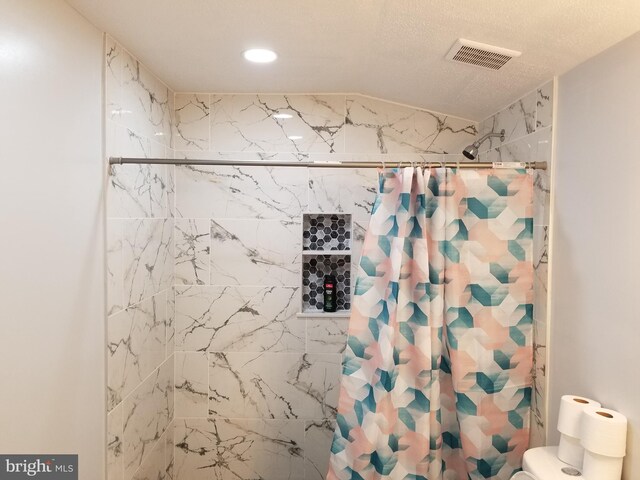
(268, 163)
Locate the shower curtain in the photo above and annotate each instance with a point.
(436, 380)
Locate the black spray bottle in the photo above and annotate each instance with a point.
(330, 297)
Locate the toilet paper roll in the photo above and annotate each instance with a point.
(571, 408)
(570, 450)
(604, 432)
(599, 467)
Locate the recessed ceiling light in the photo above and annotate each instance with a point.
(282, 115)
(260, 55)
(295, 137)
(159, 134)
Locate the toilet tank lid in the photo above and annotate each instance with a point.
(542, 463)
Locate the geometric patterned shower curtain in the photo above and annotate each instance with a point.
(436, 379)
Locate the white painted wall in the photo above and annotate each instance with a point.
(595, 328)
(52, 293)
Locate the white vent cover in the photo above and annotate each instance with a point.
(480, 54)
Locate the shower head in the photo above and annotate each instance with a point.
(471, 151)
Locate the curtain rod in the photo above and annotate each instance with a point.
(320, 164)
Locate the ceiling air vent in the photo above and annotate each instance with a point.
(480, 54)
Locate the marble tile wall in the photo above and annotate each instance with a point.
(242, 127)
(528, 137)
(140, 260)
(255, 386)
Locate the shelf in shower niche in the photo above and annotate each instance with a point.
(314, 269)
(323, 314)
(326, 232)
(326, 252)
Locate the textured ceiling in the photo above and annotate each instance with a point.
(393, 49)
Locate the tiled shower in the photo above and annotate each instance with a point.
(213, 372)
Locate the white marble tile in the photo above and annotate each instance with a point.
(255, 252)
(246, 123)
(542, 178)
(111, 141)
(541, 254)
(537, 437)
(273, 385)
(169, 450)
(121, 141)
(135, 98)
(115, 276)
(239, 449)
(137, 191)
(168, 122)
(489, 156)
(191, 121)
(540, 334)
(158, 465)
(327, 335)
(171, 321)
(192, 384)
(192, 247)
(268, 192)
(157, 149)
(147, 412)
(147, 258)
(136, 346)
(145, 101)
(539, 383)
(171, 187)
(113, 78)
(544, 106)
(239, 318)
(375, 126)
(203, 191)
(359, 230)
(153, 467)
(318, 435)
(343, 190)
(167, 377)
(540, 296)
(517, 120)
(115, 466)
(241, 192)
(521, 150)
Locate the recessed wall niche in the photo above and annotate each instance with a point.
(326, 250)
